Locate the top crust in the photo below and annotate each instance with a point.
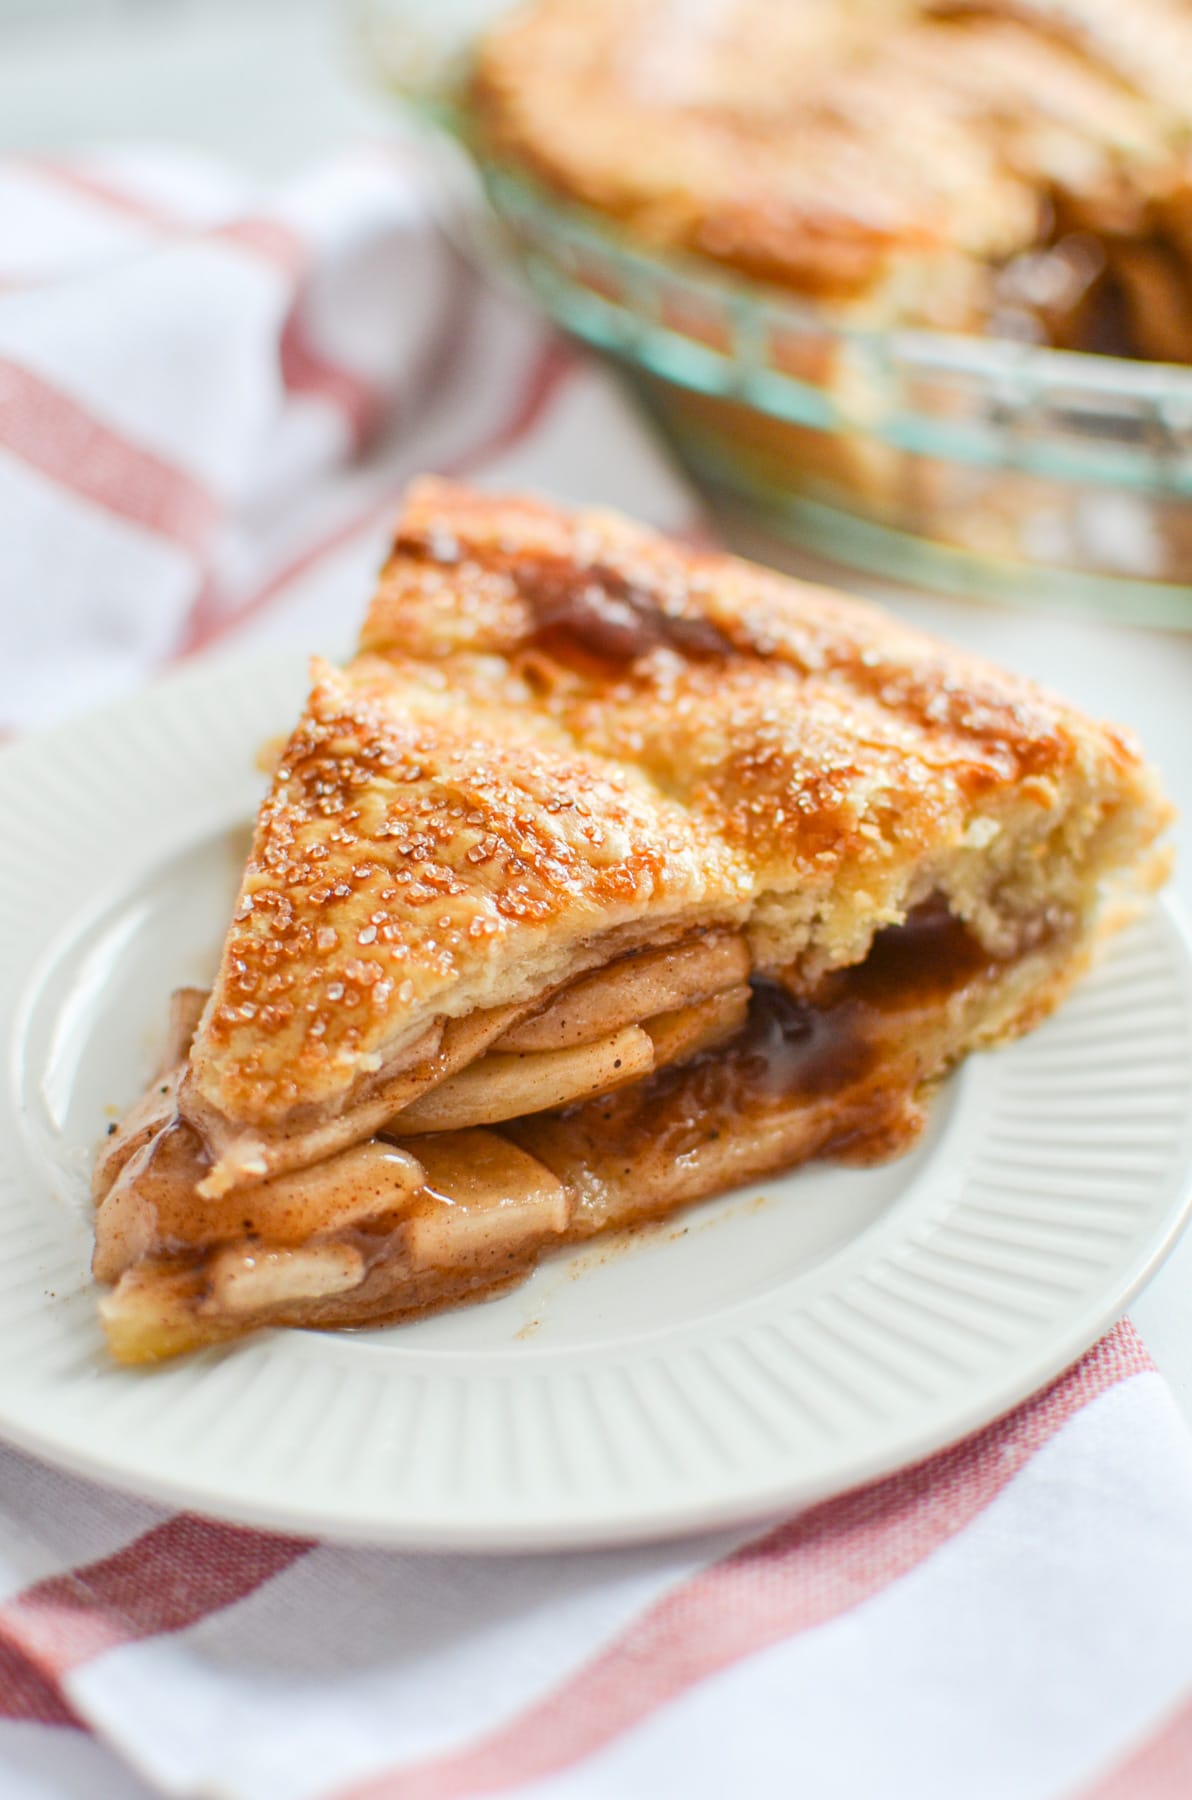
(564, 736)
(839, 148)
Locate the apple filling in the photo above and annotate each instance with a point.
(667, 1075)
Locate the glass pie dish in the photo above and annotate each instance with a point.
(988, 466)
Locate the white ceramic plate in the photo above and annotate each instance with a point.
(758, 1352)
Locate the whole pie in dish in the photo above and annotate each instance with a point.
(605, 877)
(1016, 166)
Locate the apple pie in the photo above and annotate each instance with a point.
(606, 876)
(1020, 167)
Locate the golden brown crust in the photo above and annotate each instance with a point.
(565, 735)
(889, 158)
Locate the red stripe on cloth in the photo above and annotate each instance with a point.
(28, 1695)
(268, 239)
(54, 434)
(305, 370)
(206, 624)
(1158, 1769)
(822, 1563)
(86, 185)
(169, 1578)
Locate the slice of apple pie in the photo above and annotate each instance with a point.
(606, 876)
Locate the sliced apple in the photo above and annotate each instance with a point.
(483, 1198)
(501, 1086)
(678, 1036)
(254, 1278)
(635, 988)
(152, 1314)
(152, 1204)
(142, 1122)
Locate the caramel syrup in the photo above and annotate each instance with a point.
(860, 1029)
(609, 616)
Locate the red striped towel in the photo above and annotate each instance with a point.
(208, 402)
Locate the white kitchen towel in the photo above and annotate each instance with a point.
(209, 400)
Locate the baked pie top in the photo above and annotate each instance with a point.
(564, 737)
(887, 154)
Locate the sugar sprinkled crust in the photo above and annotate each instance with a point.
(564, 735)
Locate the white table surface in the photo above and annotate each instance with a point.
(270, 85)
